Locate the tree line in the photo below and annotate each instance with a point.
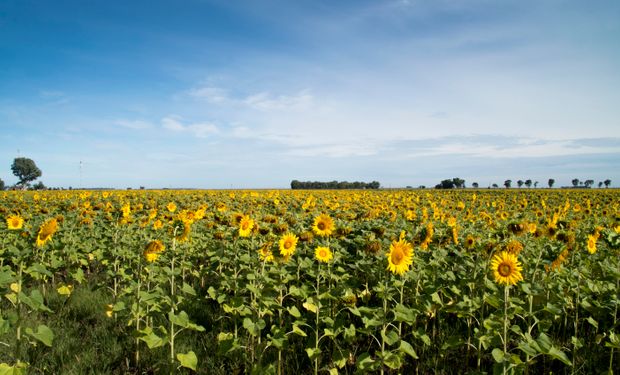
(334, 185)
(459, 183)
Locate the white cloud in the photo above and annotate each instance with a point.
(213, 95)
(264, 101)
(133, 124)
(199, 130)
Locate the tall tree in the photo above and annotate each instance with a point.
(535, 184)
(588, 183)
(575, 182)
(600, 184)
(607, 182)
(528, 183)
(474, 185)
(551, 182)
(507, 183)
(520, 183)
(26, 170)
(1, 184)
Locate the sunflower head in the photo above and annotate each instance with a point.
(245, 226)
(323, 254)
(288, 244)
(323, 225)
(470, 241)
(46, 231)
(506, 268)
(400, 256)
(14, 222)
(591, 244)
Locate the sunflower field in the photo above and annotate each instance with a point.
(307, 282)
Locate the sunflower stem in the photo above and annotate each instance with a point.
(506, 295)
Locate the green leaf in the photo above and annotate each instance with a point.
(390, 337)
(313, 352)
(310, 307)
(333, 371)
(188, 360)
(182, 319)
(187, 289)
(43, 334)
(17, 369)
(406, 348)
(404, 314)
(527, 349)
(349, 333)
(560, 355)
(151, 339)
(592, 321)
(365, 362)
(294, 312)
(392, 361)
(498, 355)
(298, 330)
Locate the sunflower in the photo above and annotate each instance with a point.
(288, 243)
(46, 231)
(265, 252)
(400, 256)
(591, 244)
(470, 241)
(152, 250)
(245, 226)
(506, 268)
(323, 225)
(323, 254)
(171, 207)
(15, 222)
(126, 210)
(186, 227)
(158, 224)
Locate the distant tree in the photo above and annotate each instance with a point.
(528, 183)
(38, 186)
(495, 186)
(588, 183)
(551, 182)
(507, 183)
(535, 184)
(445, 184)
(600, 184)
(575, 182)
(458, 182)
(520, 183)
(607, 182)
(475, 185)
(26, 170)
(1, 184)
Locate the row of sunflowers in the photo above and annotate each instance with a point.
(276, 281)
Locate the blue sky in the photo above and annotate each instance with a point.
(254, 94)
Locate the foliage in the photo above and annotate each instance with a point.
(334, 185)
(26, 170)
(134, 282)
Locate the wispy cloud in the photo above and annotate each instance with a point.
(215, 95)
(133, 124)
(199, 130)
(264, 101)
